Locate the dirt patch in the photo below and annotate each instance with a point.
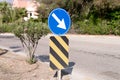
(15, 67)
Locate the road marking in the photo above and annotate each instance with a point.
(61, 23)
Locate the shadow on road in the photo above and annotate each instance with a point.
(3, 52)
(66, 71)
(43, 58)
(16, 48)
(6, 37)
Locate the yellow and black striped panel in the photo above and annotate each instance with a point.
(59, 46)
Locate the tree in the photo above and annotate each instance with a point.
(29, 34)
(9, 16)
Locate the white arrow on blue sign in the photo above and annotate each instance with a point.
(59, 21)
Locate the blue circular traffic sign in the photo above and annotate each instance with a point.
(59, 21)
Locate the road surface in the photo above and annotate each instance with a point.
(94, 57)
(98, 57)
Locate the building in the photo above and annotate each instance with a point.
(30, 5)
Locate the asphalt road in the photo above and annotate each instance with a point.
(96, 57)
(91, 57)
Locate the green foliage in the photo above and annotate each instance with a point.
(5, 28)
(12, 15)
(98, 27)
(29, 33)
(87, 27)
(19, 13)
(101, 19)
(9, 17)
(32, 60)
(88, 16)
(3, 7)
(8, 14)
(11, 20)
(33, 29)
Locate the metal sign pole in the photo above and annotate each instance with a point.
(59, 75)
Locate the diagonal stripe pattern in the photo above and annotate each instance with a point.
(59, 47)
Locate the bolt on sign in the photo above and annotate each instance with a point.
(59, 47)
(59, 23)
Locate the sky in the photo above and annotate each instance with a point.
(10, 1)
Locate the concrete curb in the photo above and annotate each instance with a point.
(50, 34)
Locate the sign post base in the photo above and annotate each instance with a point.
(59, 75)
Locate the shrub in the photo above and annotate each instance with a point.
(29, 34)
(101, 28)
